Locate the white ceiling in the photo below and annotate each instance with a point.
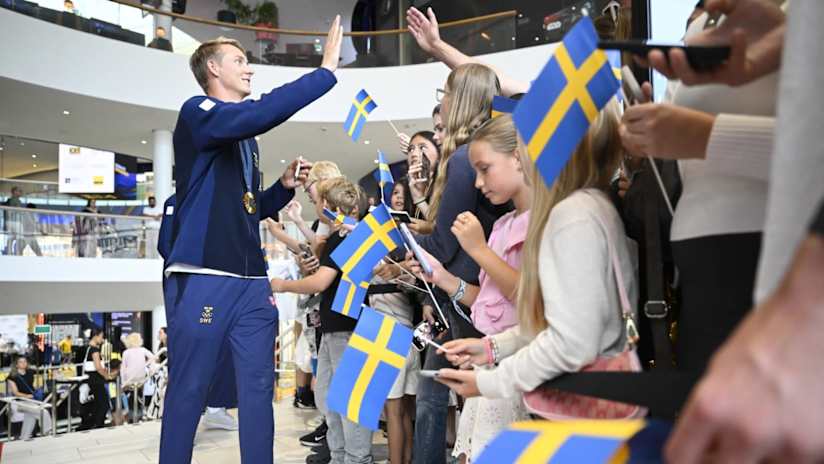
(19, 157)
(36, 112)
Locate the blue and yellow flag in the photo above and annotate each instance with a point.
(339, 218)
(361, 107)
(502, 105)
(567, 96)
(370, 364)
(614, 58)
(646, 446)
(349, 297)
(373, 237)
(385, 180)
(541, 442)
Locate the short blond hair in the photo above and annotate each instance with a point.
(205, 52)
(340, 194)
(134, 340)
(322, 170)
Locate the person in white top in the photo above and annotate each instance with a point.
(771, 366)
(723, 137)
(568, 300)
(155, 212)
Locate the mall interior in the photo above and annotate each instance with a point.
(556, 263)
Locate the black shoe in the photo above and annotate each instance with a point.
(315, 437)
(302, 403)
(323, 457)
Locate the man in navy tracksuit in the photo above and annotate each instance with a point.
(217, 291)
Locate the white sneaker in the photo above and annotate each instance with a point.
(219, 420)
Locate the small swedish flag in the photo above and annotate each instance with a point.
(361, 107)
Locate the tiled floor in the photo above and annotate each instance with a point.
(132, 444)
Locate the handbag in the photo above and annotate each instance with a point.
(557, 405)
(37, 394)
(84, 391)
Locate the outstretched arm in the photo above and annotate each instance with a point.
(424, 28)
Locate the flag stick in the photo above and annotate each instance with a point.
(397, 132)
(429, 290)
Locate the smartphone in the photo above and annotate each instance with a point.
(700, 57)
(632, 91)
(416, 249)
(428, 373)
(305, 251)
(427, 167)
(400, 216)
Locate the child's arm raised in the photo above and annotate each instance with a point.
(315, 283)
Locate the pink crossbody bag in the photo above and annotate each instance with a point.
(557, 405)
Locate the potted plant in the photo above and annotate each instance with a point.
(266, 15)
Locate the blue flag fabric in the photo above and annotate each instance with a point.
(534, 442)
(349, 297)
(370, 364)
(361, 107)
(339, 218)
(646, 446)
(385, 180)
(371, 240)
(567, 96)
(502, 105)
(614, 58)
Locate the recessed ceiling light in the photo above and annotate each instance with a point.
(366, 142)
(66, 112)
(144, 142)
(2, 148)
(22, 144)
(34, 156)
(283, 161)
(34, 165)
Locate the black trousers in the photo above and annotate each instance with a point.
(95, 415)
(717, 277)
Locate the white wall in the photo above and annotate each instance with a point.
(80, 63)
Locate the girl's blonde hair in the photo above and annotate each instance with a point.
(322, 170)
(592, 165)
(501, 135)
(471, 87)
(134, 340)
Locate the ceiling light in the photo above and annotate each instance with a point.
(366, 142)
(485, 35)
(34, 165)
(283, 161)
(22, 144)
(66, 112)
(34, 156)
(144, 142)
(257, 139)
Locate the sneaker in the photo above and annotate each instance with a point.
(316, 437)
(219, 420)
(323, 457)
(305, 402)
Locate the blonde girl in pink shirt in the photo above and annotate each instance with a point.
(499, 162)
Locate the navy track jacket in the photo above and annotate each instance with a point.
(210, 227)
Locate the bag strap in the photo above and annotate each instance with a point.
(23, 379)
(656, 308)
(631, 331)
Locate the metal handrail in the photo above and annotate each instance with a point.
(75, 213)
(211, 22)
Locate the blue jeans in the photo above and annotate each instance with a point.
(432, 406)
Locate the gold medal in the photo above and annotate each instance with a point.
(249, 203)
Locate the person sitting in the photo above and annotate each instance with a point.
(21, 385)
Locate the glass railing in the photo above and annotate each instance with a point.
(134, 23)
(27, 231)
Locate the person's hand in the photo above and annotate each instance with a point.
(663, 130)
(464, 383)
(624, 183)
(319, 244)
(273, 226)
(424, 28)
(418, 182)
(309, 265)
(439, 274)
(421, 227)
(277, 285)
(465, 352)
(331, 50)
(294, 211)
(404, 141)
(469, 232)
(428, 313)
(754, 30)
(387, 271)
(769, 368)
(288, 178)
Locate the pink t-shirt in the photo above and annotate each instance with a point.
(133, 368)
(492, 312)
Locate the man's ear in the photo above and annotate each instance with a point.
(213, 67)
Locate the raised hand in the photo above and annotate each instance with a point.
(423, 28)
(331, 51)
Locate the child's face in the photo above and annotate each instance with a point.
(497, 175)
(397, 201)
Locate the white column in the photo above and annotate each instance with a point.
(162, 164)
